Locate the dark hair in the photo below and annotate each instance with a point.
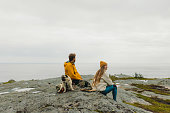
(72, 56)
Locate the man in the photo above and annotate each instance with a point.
(71, 71)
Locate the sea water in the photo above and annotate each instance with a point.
(27, 71)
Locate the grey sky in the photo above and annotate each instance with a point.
(117, 31)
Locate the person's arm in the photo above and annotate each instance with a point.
(77, 74)
(107, 79)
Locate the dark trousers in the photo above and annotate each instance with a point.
(77, 82)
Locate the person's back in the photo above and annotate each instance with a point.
(71, 71)
(102, 81)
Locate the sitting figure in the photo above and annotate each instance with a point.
(102, 81)
(65, 85)
(71, 71)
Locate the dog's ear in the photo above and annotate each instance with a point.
(63, 78)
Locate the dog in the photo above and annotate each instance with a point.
(66, 84)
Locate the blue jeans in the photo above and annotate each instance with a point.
(108, 89)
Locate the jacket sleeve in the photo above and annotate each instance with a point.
(107, 79)
(77, 74)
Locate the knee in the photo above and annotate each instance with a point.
(114, 87)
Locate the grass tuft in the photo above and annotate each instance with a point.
(113, 78)
(153, 88)
(10, 81)
(158, 105)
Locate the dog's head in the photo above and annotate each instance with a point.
(64, 77)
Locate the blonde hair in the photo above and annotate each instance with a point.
(98, 76)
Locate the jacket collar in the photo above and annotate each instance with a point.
(71, 63)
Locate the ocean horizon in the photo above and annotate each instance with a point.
(28, 71)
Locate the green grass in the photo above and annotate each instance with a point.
(113, 78)
(10, 81)
(153, 88)
(135, 89)
(158, 105)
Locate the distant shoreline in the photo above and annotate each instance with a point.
(27, 71)
(82, 75)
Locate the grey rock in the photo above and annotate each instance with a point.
(47, 101)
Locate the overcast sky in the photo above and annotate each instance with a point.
(117, 31)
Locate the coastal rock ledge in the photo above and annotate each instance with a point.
(39, 96)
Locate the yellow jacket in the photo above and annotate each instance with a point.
(71, 71)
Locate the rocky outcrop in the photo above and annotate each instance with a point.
(35, 96)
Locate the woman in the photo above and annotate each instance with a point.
(102, 81)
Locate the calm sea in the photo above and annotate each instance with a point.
(43, 71)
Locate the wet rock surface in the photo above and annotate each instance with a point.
(42, 97)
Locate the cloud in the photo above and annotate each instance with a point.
(125, 31)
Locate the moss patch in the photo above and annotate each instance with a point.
(158, 105)
(10, 81)
(126, 78)
(153, 88)
(135, 89)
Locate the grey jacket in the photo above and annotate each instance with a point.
(104, 81)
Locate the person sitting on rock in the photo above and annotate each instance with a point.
(102, 81)
(71, 71)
